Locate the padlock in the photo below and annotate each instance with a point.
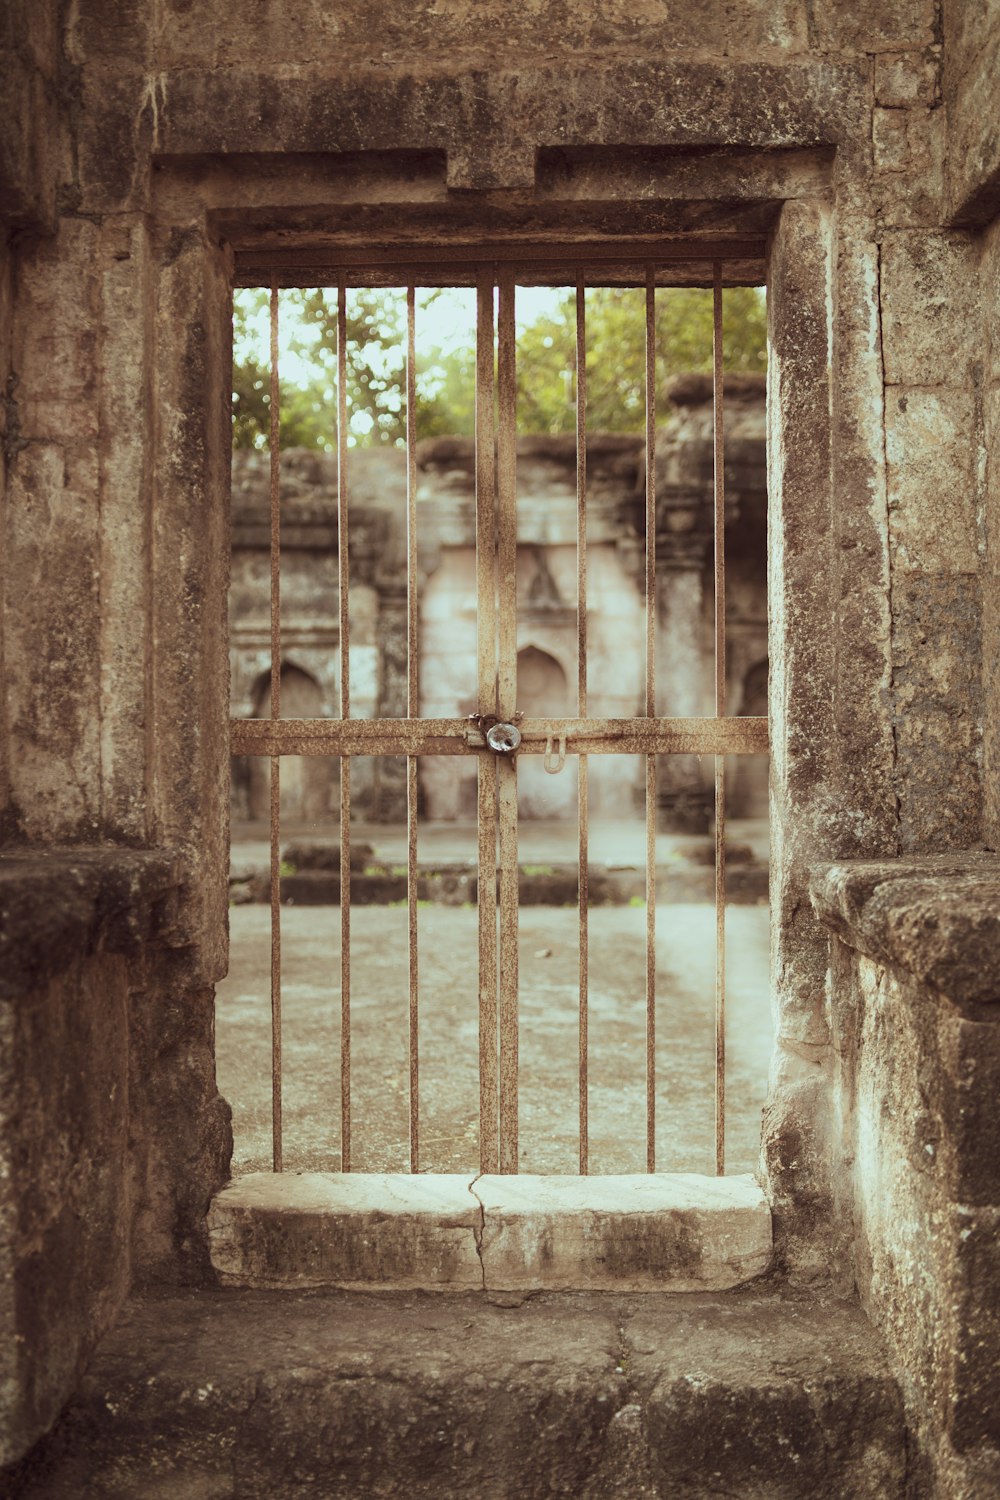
(503, 738)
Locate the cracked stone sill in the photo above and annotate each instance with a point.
(447, 1232)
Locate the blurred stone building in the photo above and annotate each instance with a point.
(547, 621)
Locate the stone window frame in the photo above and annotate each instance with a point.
(832, 793)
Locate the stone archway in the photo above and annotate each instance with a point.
(543, 692)
(309, 787)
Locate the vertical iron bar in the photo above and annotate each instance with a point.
(650, 713)
(486, 615)
(581, 693)
(275, 789)
(412, 710)
(343, 578)
(720, 709)
(507, 707)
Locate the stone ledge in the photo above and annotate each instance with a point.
(56, 904)
(936, 916)
(308, 1394)
(448, 1232)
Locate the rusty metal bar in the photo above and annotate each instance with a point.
(720, 709)
(739, 735)
(507, 707)
(412, 709)
(343, 577)
(486, 655)
(650, 713)
(583, 809)
(275, 786)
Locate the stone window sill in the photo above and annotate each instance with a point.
(935, 916)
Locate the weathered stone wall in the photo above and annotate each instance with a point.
(914, 991)
(152, 144)
(92, 1002)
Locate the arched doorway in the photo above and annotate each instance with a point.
(309, 785)
(543, 692)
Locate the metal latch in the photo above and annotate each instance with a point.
(554, 760)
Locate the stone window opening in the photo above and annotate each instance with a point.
(548, 595)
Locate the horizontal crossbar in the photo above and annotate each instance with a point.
(745, 735)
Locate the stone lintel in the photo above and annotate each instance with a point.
(440, 1232)
(935, 916)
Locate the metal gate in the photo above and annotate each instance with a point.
(498, 735)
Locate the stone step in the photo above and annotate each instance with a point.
(676, 1232)
(248, 1395)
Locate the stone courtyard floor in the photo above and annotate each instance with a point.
(449, 1038)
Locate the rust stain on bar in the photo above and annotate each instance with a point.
(412, 708)
(345, 762)
(486, 601)
(275, 792)
(412, 644)
(739, 735)
(414, 1005)
(650, 713)
(720, 709)
(583, 811)
(507, 789)
(584, 900)
(506, 707)
(489, 1117)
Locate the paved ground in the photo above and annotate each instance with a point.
(449, 1037)
(615, 844)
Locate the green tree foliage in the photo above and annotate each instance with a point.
(616, 353)
(445, 381)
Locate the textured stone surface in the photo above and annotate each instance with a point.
(434, 1231)
(970, 73)
(86, 1116)
(937, 917)
(918, 1082)
(929, 292)
(930, 457)
(916, 1027)
(348, 1230)
(938, 710)
(671, 1232)
(289, 1395)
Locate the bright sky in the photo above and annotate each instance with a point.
(449, 323)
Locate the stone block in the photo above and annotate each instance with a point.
(891, 140)
(903, 79)
(991, 709)
(348, 1230)
(908, 192)
(666, 1232)
(286, 34)
(883, 26)
(406, 1397)
(929, 295)
(435, 1232)
(973, 32)
(937, 695)
(935, 916)
(930, 449)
